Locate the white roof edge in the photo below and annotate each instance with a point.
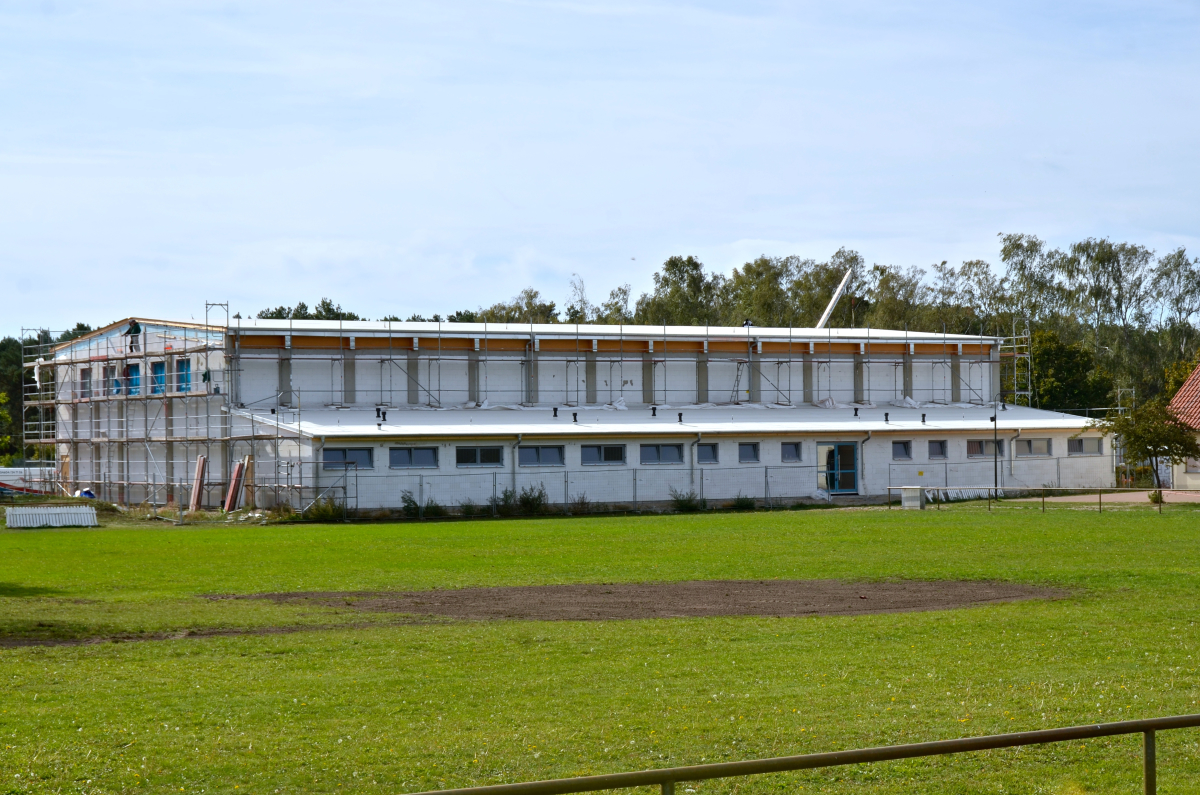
(524, 330)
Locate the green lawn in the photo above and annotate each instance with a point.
(368, 703)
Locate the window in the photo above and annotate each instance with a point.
(978, 448)
(112, 384)
(540, 456)
(790, 452)
(158, 377)
(412, 458)
(183, 375)
(479, 456)
(1092, 445)
(85, 382)
(1192, 465)
(1032, 447)
(348, 457)
(596, 454)
(706, 454)
(748, 453)
(939, 449)
(901, 451)
(133, 379)
(662, 454)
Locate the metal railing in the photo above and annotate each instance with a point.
(993, 494)
(668, 777)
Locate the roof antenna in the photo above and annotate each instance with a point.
(833, 301)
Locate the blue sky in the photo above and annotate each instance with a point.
(405, 157)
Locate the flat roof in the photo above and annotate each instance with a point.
(601, 421)
(589, 331)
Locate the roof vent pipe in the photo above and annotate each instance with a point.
(681, 416)
(556, 411)
(922, 419)
(856, 412)
(654, 411)
(885, 416)
(574, 416)
(377, 412)
(384, 416)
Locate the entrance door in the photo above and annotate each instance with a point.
(837, 470)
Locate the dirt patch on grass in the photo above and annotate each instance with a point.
(706, 598)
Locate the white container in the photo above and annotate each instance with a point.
(912, 499)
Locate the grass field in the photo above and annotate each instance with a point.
(371, 702)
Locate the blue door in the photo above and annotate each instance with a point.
(837, 467)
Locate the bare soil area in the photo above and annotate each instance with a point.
(706, 598)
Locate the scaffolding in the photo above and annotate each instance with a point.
(123, 411)
(1016, 364)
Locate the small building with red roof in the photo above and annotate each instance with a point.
(1186, 406)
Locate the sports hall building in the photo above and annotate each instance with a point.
(377, 413)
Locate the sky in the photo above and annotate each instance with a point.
(420, 157)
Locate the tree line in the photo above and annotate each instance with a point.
(1110, 319)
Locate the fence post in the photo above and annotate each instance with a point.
(566, 493)
(702, 488)
(635, 500)
(1149, 765)
(668, 788)
(154, 494)
(766, 488)
(420, 496)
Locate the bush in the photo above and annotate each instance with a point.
(581, 504)
(1156, 497)
(686, 501)
(469, 507)
(281, 510)
(1137, 477)
(409, 504)
(743, 503)
(326, 510)
(505, 504)
(533, 500)
(434, 509)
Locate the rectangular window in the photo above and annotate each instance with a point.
(112, 384)
(347, 458)
(133, 379)
(1092, 445)
(479, 456)
(413, 458)
(183, 375)
(85, 382)
(1192, 465)
(980, 448)
(158, 377)
(540, 456)
(939, 449)
(790, 452)
(706, 454)
(662, 454)
(748, 453)
(1026, 448)
(901, 451)
(598, 454)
